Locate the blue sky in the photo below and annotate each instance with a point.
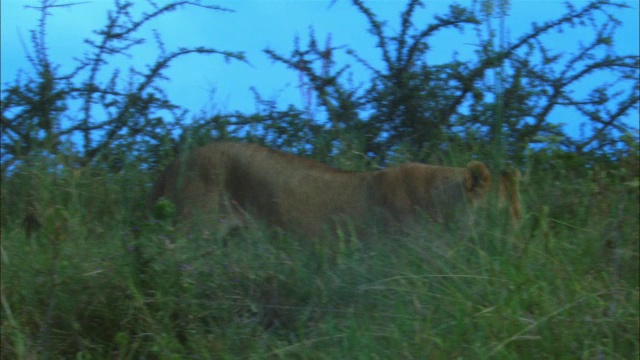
(256, 25)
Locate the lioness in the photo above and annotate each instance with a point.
(229, 184)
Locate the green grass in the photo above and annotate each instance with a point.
(93, 281)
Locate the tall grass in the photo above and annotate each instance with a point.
(91, 280)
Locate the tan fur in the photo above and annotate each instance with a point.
(229, 184)
(510, 194)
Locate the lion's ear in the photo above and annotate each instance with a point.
(477, 178)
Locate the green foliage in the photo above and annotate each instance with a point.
(87, 284)
(164, 210)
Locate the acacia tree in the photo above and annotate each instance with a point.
(530, 91)
(433, 108)
(109, 117)
(409, 103)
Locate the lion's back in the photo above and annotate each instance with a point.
(237, 180)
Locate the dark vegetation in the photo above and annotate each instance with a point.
(85, 274)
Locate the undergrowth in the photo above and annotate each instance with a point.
(84, 276)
